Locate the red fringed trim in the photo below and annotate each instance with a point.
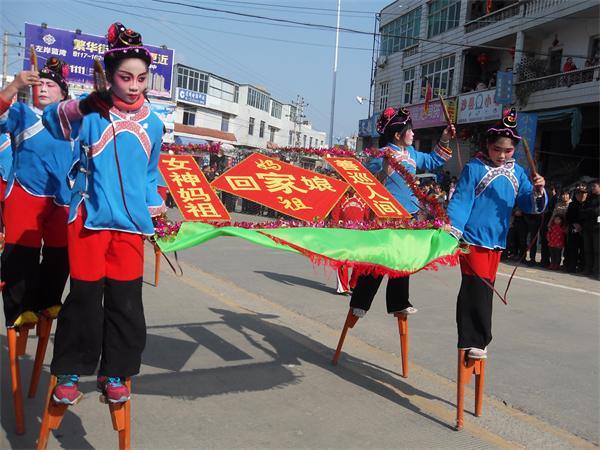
(365, 268)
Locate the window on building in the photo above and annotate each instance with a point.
(291, 138)
(293, 113)
(304, 141)
(310, 142)
(191, 79)
(261, 130)
(251, 126)
(398, 34)
(384, 88)
(272, 131)
(189, 116)
(258, 99)
(222, 89)
(409, 85)
(440, 74)
(276, 109)
(443, 16)
(225, 122)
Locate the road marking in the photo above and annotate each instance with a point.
(432, 407)
(547, 283)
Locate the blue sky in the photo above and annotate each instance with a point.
(286, 59)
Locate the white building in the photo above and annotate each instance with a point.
(459, 46)
(213, 109)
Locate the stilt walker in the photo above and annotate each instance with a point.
(34, 260)
(111, 210)
(490, 185)
(396, 137)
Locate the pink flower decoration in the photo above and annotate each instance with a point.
(113, 34)
(389, 112)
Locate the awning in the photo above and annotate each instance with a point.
(189, 140)
(561, 114)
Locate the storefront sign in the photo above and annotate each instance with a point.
(291, 190)
(193, 195)
(434, 117)
(79, 50)
(193, 97)
(504, 82)
(478, 106)
(369, 188)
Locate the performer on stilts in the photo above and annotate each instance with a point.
(111, 211)
(490, 185)
(351, 208)
(396, 136)
(35, 201)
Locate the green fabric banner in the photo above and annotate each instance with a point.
(392, 252)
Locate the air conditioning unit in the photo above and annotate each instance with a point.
(381, 61)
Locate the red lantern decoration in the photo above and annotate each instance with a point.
(482, 59)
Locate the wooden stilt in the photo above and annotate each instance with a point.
(466, 368)
(403, 329)
(351, 320)
(44, 326)
(120, 414)
(53, 415)
(156, 264)
(15, 377)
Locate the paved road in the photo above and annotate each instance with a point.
(239, 348)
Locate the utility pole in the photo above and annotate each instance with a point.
(335, 63)
(5, 46)
(298, 118)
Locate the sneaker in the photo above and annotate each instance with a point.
(359, 312)
(406, 311)
(113, 389)
(66, 391)
(477, 353)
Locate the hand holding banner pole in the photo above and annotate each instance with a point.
(35, 90)
(449, 122)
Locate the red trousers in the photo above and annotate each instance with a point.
(480, 261)
(31, 220)
(97, 254)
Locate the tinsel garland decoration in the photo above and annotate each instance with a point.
(180, 149)
(434, 206)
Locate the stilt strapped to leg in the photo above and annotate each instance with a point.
(44, 326)
(351, 320)
(156, 264)
(403, 330)
(467, 367)
(17, 345)
(120, 414)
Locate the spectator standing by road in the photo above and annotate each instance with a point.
(590, 214)
(556, 237)
(575, 259)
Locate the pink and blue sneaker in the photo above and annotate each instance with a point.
(113, 389)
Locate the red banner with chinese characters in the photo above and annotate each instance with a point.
(190, 189)
(369, 188)
(291, 190)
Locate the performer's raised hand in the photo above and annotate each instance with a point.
(539, 183)
(26, 78)
(449, 132)
(99, 102)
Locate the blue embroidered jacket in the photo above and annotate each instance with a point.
(40, 162)
(484, 198)
(6, 158)
(116, 179)
(413, 160)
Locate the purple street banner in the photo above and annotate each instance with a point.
(432, 118)
(79, 50)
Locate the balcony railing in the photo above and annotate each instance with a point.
(496, 16)
(538, 8)
(564, 79)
